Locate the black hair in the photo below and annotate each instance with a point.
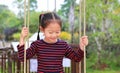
(46, 18)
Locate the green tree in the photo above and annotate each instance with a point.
(34, 21)
(33, 14)
(103, 19)
(8, 21)
(20, 6)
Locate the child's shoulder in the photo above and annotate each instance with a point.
(37, 41)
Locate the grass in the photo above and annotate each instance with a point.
(103, 71)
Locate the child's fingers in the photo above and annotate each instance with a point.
(84, 37)
(24, 32)
(25, 28)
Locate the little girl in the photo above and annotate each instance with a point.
(50, 51)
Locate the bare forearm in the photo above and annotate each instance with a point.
(21, 41)
(23, 35)
(82, 47)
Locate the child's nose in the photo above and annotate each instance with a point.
(54, 35)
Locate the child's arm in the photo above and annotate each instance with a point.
(24, 34)
(79, 54)
(30, 51)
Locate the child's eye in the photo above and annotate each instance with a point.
(57, 32)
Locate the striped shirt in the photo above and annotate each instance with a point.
(50, 56)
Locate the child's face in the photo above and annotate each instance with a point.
(52, 32)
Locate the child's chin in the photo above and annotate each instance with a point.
(53, 41)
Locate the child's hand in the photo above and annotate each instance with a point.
(24, 32)
(83, 42)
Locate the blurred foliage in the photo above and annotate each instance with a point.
(20, 5)
(34, 22)
(65, 36)
(103, 24)
(7, 18)
(16, 36)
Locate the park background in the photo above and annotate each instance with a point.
(102, 28)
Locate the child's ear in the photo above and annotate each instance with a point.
(41, 29)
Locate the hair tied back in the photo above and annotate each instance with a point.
(53, 16)
(42, 15)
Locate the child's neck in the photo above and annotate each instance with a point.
(47, 41)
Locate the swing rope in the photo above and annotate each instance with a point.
(84, 35)
(25, 39)
(26, 24)
(80, 19)
(84, 29)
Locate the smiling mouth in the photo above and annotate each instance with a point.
(54, 39)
